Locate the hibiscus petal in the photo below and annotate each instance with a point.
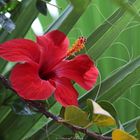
(54, 47)
(20, 50)
(65, 93)
(26, 81)
(81, 69)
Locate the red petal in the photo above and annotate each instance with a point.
(20, 50)
(54, 48)
(65, 93)
(26, 81)
(81, 69)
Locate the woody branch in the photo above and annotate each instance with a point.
(40, 107)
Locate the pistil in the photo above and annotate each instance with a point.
(77, 46)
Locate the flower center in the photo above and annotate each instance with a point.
(77, 46)
(47, 76)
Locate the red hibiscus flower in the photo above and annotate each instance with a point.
(43, 70)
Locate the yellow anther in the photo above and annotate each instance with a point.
(77, 46)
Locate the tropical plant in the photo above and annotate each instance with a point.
(108, 110)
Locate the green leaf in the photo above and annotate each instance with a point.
(4, 111)
(111, 35)
(116, 85)
(76, 116)
(102, 39)
(129, 7)
(103, 29)
(102, 117)
(20, 14)
(42, 7)
(90, 109)
(138, 126)
(111, 109)
(70, 16)
(48, 0)
(11, 5)
(21, 108)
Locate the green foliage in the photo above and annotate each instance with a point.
(41, 6)
(138, 126)
(106, 92)
(21, 108)
(76, 116)
(8, 6)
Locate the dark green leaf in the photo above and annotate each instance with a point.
(24, 16)
(48, 0)
(21, 108)
(90, 109)
(42, 7)
(11, 5)
(138, 126)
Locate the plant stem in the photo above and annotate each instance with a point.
(41, 109)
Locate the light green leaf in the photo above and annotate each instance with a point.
(76, 116)
(90, 109)
(111, 109)
(112, 34)
(70, 16)
(102, 117)
(127, 5)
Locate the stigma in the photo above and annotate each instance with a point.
(77, 46)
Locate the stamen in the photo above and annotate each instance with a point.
(77, 46)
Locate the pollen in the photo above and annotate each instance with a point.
(77, 46)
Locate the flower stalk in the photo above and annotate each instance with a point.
(41, 109)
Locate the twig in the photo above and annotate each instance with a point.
(40, 107)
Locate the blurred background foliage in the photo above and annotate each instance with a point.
(122, 51)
